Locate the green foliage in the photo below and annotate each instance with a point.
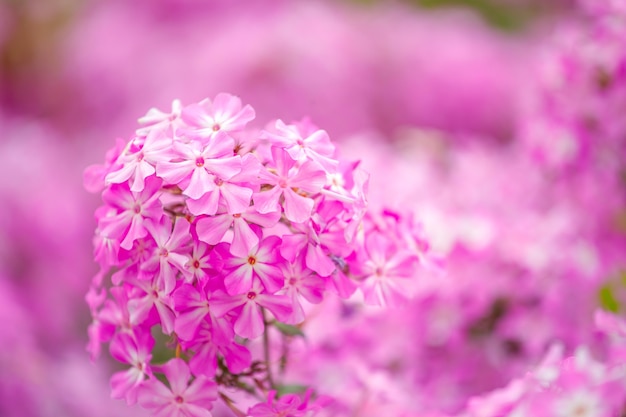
(608, 301)
(288, 330)
(290, 389)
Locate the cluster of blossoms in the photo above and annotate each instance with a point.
(574, 119)
(206, 228)
(578, 385)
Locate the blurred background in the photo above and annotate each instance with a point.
(496, 121)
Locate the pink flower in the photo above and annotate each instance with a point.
(290, 405)
(181, 399)
(249, 323)
(221, 117)
(287, 177)
(197, 169)
(235, 192)
(131, 210)
(385, 269)
(170, 255)
(133, 349)
(212, 229)
(138, 160)
(260, 265)
(303, 141)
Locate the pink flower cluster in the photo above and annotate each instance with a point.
(207, 226)
(574, 119)
(579, 385)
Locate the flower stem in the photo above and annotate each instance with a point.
(266, 348)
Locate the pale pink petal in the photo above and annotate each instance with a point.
(212, 229)
(318, 261)
(237, 197)
(279, 305)
(267, 201)
(239, 280)
(250, 322)
(297, 208)
(177, 373)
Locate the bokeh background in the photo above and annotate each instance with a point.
(499, 123)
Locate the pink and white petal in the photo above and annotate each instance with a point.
(196, 115)
(312, 289)
(239, 280)
(177, 373)
(267, 249)
(224, 167)
(279, 305)
(135, 231)
(271, 276)
(244, 238)
(250, 324)
(192, 410)
(123, 348)
(282, 160)
(222, 304)
(201, 392)
(318, 261)
(237, 197)
(178, 260)
(114, 227)
(180, 235)
(267, 201)
(175, 172)
(310, 178)
(264, 220)
(292, 245)
(121, 175)
(343, 286)
(143, 171)
(211, 230)
(237, 357)
(200, 183)
(207, 204)
(125, 381)
(166, 315)
(224, 105)
(139, 309)
(186, 324)
(153, 394)
(204, 362)
(297, 208)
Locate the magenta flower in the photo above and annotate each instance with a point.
(198, 265)
(235, 193)
(213, 229)
(167, 259)
(302, 282)
(260, 265)
(133, 349)
(249, 323)
(138, 160)
(181, 399)
(295, 183)
(302, 141)
(207, 346)
(218, 118)
(386, 270)
(126, 224)
(290, 405)
(193, 305)
(148, 297)
(196, 169)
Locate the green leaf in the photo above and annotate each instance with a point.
(288, 330)
(283, 389)
(608, 300)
